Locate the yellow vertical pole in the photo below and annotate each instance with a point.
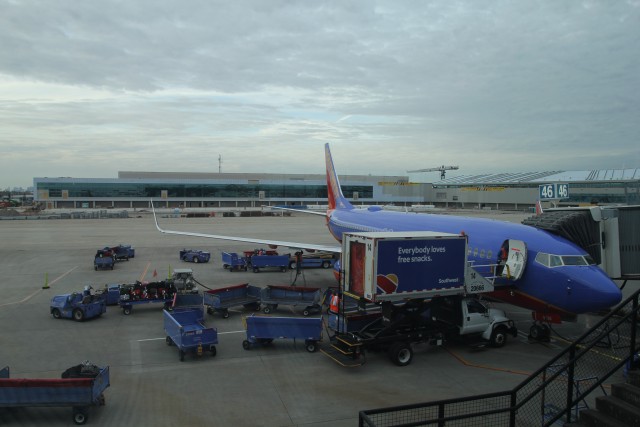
(46, 281)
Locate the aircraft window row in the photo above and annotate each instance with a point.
(550, 260)
(483, 254)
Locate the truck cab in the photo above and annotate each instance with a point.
(470, 318)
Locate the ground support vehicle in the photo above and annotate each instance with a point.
(185, 330)
(77, 306)
(104, 260)
(79, 392)
(272, 296)
(123, 252)
(194, 255)
(278, 262)
(421, 281)
(146, 293)
(220, 300)
(233, 262)
(400, 325)
(312, 260)
(467, 319)
(263, 330)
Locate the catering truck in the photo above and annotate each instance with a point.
(424, 289)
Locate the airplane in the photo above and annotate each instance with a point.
(530, 268)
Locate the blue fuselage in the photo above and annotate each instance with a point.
(566, 289)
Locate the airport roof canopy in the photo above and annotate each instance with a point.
(542, 177)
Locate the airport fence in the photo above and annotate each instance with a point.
(555, 393)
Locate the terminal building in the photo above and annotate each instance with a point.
(505, 191)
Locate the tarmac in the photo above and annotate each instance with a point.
(277, 385)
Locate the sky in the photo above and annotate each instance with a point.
(90, 88)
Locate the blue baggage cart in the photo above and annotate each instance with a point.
(232, 261)
(80, 392)
(278, 262)
(272, 296)
(138, 293)
(264, 329)
(185, 330)
(220, 300)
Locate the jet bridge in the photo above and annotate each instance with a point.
(610, 234)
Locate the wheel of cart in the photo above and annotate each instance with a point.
(311, 346)
(269, 308)
(80, 415)
(310, 309)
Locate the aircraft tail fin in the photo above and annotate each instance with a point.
(336, 199)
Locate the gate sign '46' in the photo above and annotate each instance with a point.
(553, 191)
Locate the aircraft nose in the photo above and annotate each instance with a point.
(593, 290)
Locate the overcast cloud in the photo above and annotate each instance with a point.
(90, 88)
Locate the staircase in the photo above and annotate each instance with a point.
(620, 409)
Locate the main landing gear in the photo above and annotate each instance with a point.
(539, 332)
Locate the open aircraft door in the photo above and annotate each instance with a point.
(513, 258)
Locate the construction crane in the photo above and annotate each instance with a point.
(442, 170)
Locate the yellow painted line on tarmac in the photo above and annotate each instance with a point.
(144, 273)
(219, 333)
(491, 368)
(28, 297)
(593, 350)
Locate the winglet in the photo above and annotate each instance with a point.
(155, 217)
(336, 199)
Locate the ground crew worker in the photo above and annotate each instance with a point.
(334, 303)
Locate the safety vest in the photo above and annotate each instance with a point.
(334, 303)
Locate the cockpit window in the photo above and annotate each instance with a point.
(573, 260)
(550, 260)
(555, 261)
(543, 258)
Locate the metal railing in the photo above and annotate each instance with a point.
(554, 392)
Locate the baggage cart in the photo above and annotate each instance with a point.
(139, 293)
(278, 262)
(220, 300)
(232, 262)
(185, 330)
(264, 329)
(183, 301)
(79, 392)
(272, 296)
(248, 254)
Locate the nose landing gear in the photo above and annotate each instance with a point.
(539, 332)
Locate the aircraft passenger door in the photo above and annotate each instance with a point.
(512, 259)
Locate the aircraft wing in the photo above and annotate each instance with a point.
(272, 243)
